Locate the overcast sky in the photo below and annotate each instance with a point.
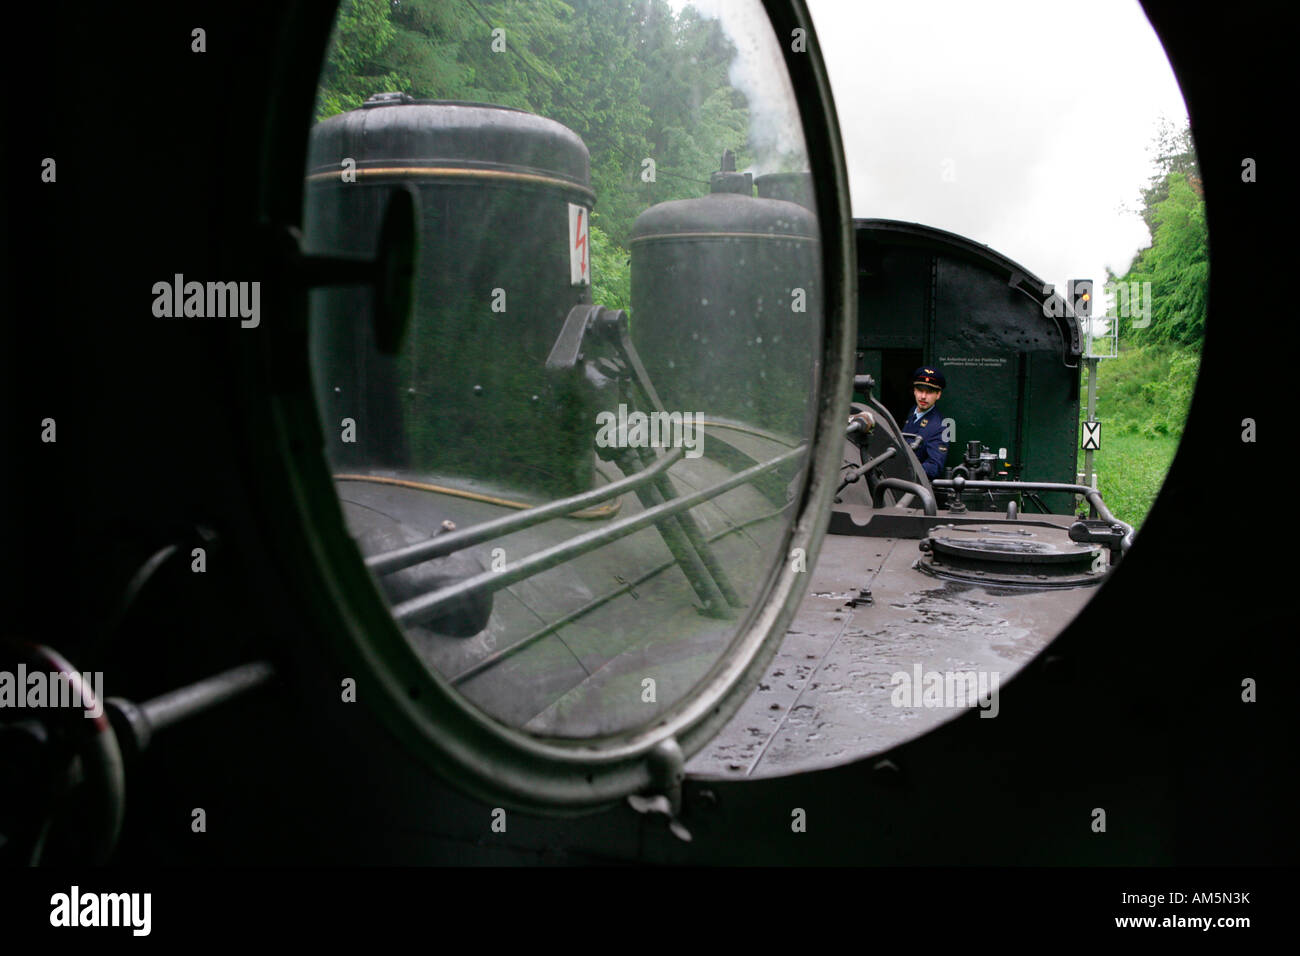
(1022, 124)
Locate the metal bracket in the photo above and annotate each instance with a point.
(667, 767)
(1090, 531)
(681, 533)
(391, 274)
(568, 347)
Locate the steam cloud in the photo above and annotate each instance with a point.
(758, 71)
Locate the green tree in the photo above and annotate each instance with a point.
(1147, 390)
(362, 32)
(634, 80)
(1176, 264)
(611, 272)
(426, 49)
(1173, 152)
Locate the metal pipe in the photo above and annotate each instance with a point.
(389, 561)
(922, 492)
(880, 459)
(179, 704)
(696, 538)
(680, 546)
(1094, 499)
(1093, 496)
(862, 469)
(492, 660)
(427, 604)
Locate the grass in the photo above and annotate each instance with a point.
(1130, 471)
(1142, 401)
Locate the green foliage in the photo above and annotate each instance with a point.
(361, 35)
(1174, 153)
(1171, 399)
(632, 79)
(1147, 390)
(1130, 471)
(1176, 264)
(611, 272)
(1144, 395)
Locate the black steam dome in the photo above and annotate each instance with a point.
(726, 303)
(393, 131)
(501, 197)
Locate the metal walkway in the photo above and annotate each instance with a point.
(826, 697)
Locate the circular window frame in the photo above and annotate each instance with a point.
(304, 526)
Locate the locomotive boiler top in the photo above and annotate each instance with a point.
(394, 131)
(722, 214)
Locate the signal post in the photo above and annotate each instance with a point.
(1101, 341)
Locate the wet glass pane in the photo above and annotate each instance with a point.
(627, 155)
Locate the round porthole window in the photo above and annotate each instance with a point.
(567, 364)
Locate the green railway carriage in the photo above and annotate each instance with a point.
(1004, 340)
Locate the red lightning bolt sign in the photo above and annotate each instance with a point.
(581, 242)
(579, 246)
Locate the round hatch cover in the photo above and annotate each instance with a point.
(1011, 554)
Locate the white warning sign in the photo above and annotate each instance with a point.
(1091, 436)
(579, 251)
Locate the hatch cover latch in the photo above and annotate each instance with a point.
(1095, 531)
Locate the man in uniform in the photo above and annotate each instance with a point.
(923, 425)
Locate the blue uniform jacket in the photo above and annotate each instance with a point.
(931, 451)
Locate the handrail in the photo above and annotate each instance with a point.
(387, 562)
(496, 657)
(694, 537)
(922, 492)
(427, 604)
(1092, 494)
